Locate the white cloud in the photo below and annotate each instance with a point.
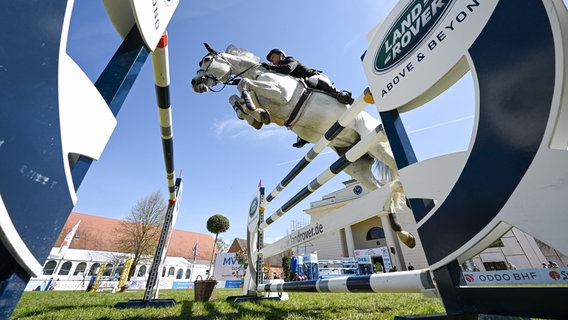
(240, 129)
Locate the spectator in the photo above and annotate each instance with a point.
(378, 267)
(552, 264)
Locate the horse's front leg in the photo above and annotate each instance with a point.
(237, 104)
(249, 105)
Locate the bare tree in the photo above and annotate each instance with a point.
(140, 231)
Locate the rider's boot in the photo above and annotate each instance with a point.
(344, 97)
(341, 95)
(237, 106)
(259, 114)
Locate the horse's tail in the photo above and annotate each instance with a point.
(385, 174)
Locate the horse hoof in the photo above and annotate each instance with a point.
(256, 124)
(407, 238)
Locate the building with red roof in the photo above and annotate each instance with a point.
(74, 261)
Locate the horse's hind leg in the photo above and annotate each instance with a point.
(393, 202)
(406, 237)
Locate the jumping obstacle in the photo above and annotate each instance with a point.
(351, 213)
(418, 281)
(161, 68)
(256, 229)
(346, 118)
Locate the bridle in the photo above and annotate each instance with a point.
(231, 80)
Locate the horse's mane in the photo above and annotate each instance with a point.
(231, 49)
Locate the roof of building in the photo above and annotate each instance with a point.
(238, 244)
(98, 234)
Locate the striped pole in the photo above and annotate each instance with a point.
(416, 281)
(161, 65)
(362, 101)
(349, 157)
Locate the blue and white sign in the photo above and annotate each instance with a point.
(555, 276)
(227, 267)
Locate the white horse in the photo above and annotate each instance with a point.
(272, 97)
(268, 97)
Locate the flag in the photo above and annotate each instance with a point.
(68, 238)
(195, 251)
(260, 183)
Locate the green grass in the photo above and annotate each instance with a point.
(84, 305)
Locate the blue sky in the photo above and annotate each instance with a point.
(221, 157)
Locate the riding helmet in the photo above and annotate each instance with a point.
(275, 50)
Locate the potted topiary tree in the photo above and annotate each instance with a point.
(216, 224)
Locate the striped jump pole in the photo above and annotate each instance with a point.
(161, 66)
(349, 157)
(360, 103)
(416, 281)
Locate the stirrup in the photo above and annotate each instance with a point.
(299, 143)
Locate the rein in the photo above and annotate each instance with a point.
(231, 80)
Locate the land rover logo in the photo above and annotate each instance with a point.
(407, 32)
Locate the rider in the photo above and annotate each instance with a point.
(314, 78)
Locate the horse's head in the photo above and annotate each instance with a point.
(213, 69)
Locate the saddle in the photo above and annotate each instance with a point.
(343, 97)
